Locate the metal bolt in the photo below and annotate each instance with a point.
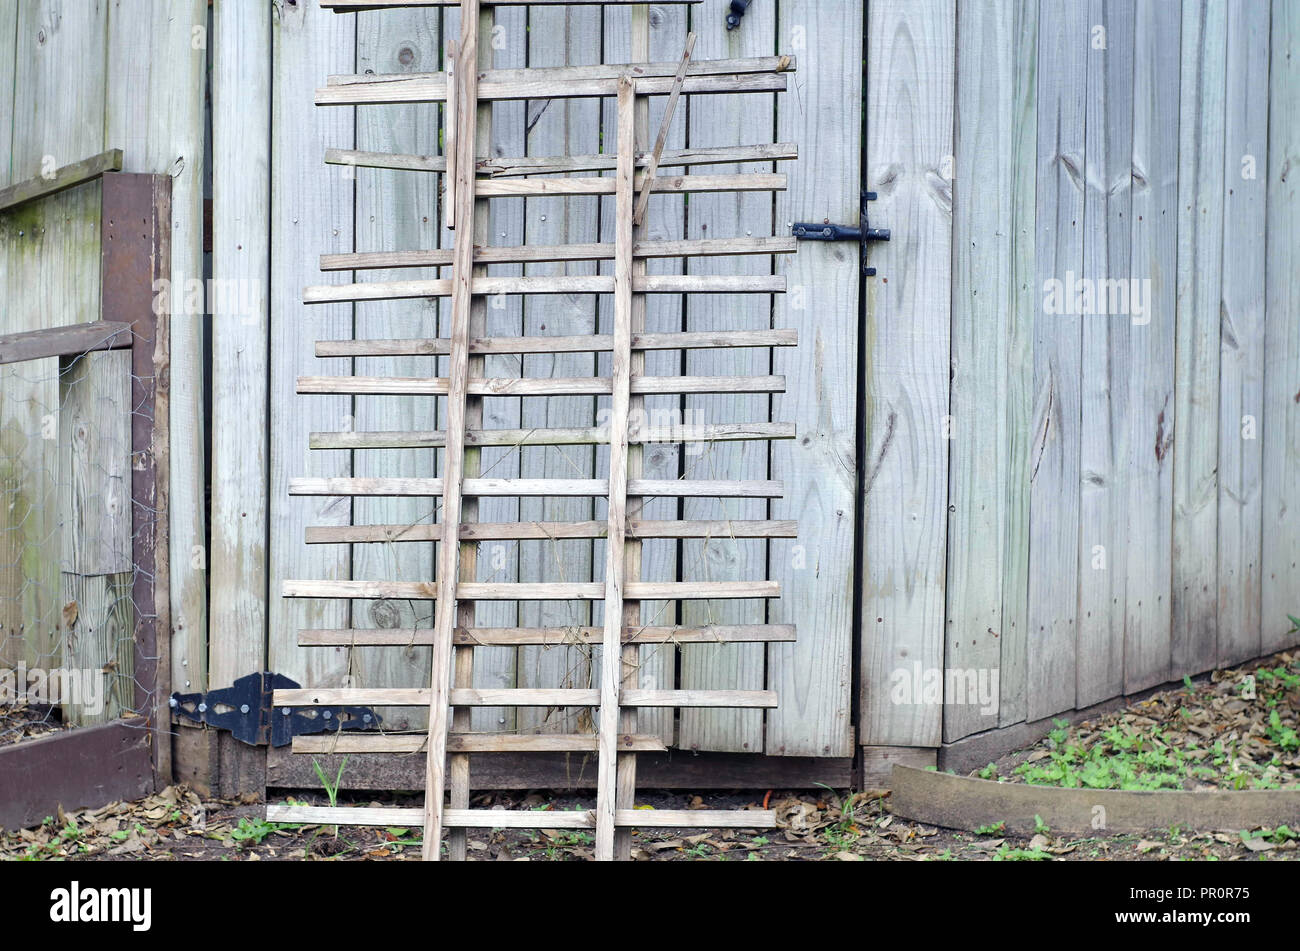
(284, 712)
(243, 708)
(326, 714)
(203, 708)
(173, 703)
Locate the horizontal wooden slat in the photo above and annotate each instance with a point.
(548, 636)
(451, 818)
(521, 819)
(607, 71)
(352, 6)
(696, 818)
(534, 488)
(585, 343)
(419, 697)
(371, 742)
(519, 697)
(699, 698)
(434, 89)
(67, 176)
(530, 254)
(68, 341)
(594, 185)
(579, 436)
(543, 531)
(541, 284)
(534, 591)
(515, 386)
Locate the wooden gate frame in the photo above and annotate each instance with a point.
(130, 757)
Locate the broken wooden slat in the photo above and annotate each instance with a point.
(548, 636)
(593, 185)
(451, 818)
(61, 178)
(69, 341)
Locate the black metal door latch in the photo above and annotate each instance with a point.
(245, 710)
(736, 12)
(862, 233)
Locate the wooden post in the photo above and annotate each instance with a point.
(136, 252)
(449, 552)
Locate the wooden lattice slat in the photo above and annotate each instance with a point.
(467, 89)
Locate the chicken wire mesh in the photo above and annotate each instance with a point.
(68, 532)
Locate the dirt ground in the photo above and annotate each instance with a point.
(1236, 729)
(176, 825)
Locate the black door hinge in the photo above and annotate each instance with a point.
(861, 233)
(736, 12)
(245, 710)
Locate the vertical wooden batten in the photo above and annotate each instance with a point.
(241, 277)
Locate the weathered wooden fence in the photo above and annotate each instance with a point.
(1086, 505)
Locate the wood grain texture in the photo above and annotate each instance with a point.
(1281, 476)
(1201, 143)
(154, 112)
(1020, 367)
(1104, 393)
(1241, 332)
(559, 37)
(910, 82)
(1054, 453)
(984, 316)
(393, 211)
(310, 213)
(241, 412)
(1150, 419)
(716, 121)
(49, 272)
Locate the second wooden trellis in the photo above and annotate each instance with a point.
(467, 88)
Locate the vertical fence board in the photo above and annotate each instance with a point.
(395, 210)
(499, 561)
(95, 505)
(665, 220)
(1054, 450)
(820, 469)
(715, 121)
(983, 318)
(50, 271)
(1196, 380)
(910, 69)
(1150, 415)
(241, 235)
(559, 36)
(154, 112)
(1103, 523)
(1024, 303)
(1241, 344)
(310, 213)
(1281, 477)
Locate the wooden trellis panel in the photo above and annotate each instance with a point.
(597, 509)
